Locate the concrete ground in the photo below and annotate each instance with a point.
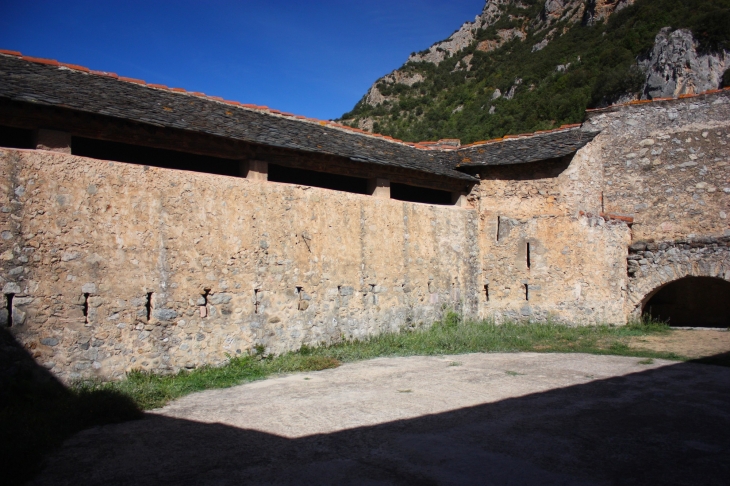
(498, 419)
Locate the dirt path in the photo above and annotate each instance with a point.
(689, 343)
(506, 419)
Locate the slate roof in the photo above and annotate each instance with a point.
(520, 149)
(48, 82)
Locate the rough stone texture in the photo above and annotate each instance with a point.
(666, 164)
(674, 66)
(375, 97)
(463, 37)
(253, 250)
(601, 9)
(577, 262)
(114, 266)
(654, 264)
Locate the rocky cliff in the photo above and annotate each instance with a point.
(551, 59)
(676, 66)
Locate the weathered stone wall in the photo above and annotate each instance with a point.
(227, 264)
(577, 271)
(667, 165)
(652, 265)
(110, 266)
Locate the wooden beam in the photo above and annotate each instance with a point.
(379, 188)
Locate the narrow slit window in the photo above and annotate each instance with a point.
(499, 222)
(256, 300)
(9, 301)
(486, 292)
(527, 292)
(148, 306)
(529, 263)
(204, 306)
(86, 308)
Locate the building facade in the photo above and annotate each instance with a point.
(150, 228)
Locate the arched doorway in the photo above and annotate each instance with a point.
(692, 302)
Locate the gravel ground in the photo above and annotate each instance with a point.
(498, 419)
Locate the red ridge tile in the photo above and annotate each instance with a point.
(132, 80)
(10, 53)
(104, 73)
(75, 67)
(38, 60)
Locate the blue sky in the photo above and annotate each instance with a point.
(312, 57)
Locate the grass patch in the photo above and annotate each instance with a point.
(646, 361)
(448, 337)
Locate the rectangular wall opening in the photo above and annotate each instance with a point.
(527, 254)
(404, 192)
(85, 308)
(155, 157)
(304, 177)
(204, 305)
(16, 138)
(527, 292)
(148, 306)
(256, 300)
(486, 293)
(9, 304)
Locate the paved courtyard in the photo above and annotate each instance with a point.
(498, 419)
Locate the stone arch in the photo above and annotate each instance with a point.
(647, 284)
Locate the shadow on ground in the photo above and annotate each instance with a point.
(668, 425)
(37, 413)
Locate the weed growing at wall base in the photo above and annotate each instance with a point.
(452, 335)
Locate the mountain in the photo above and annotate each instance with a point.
(527, 65)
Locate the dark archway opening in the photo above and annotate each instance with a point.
(692, 302)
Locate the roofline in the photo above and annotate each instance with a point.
(657, 100)
(424, 145)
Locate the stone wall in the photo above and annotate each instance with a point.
(108, 267)
(116, 266)
(667, 165)
(577, 271)
(654, 264)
